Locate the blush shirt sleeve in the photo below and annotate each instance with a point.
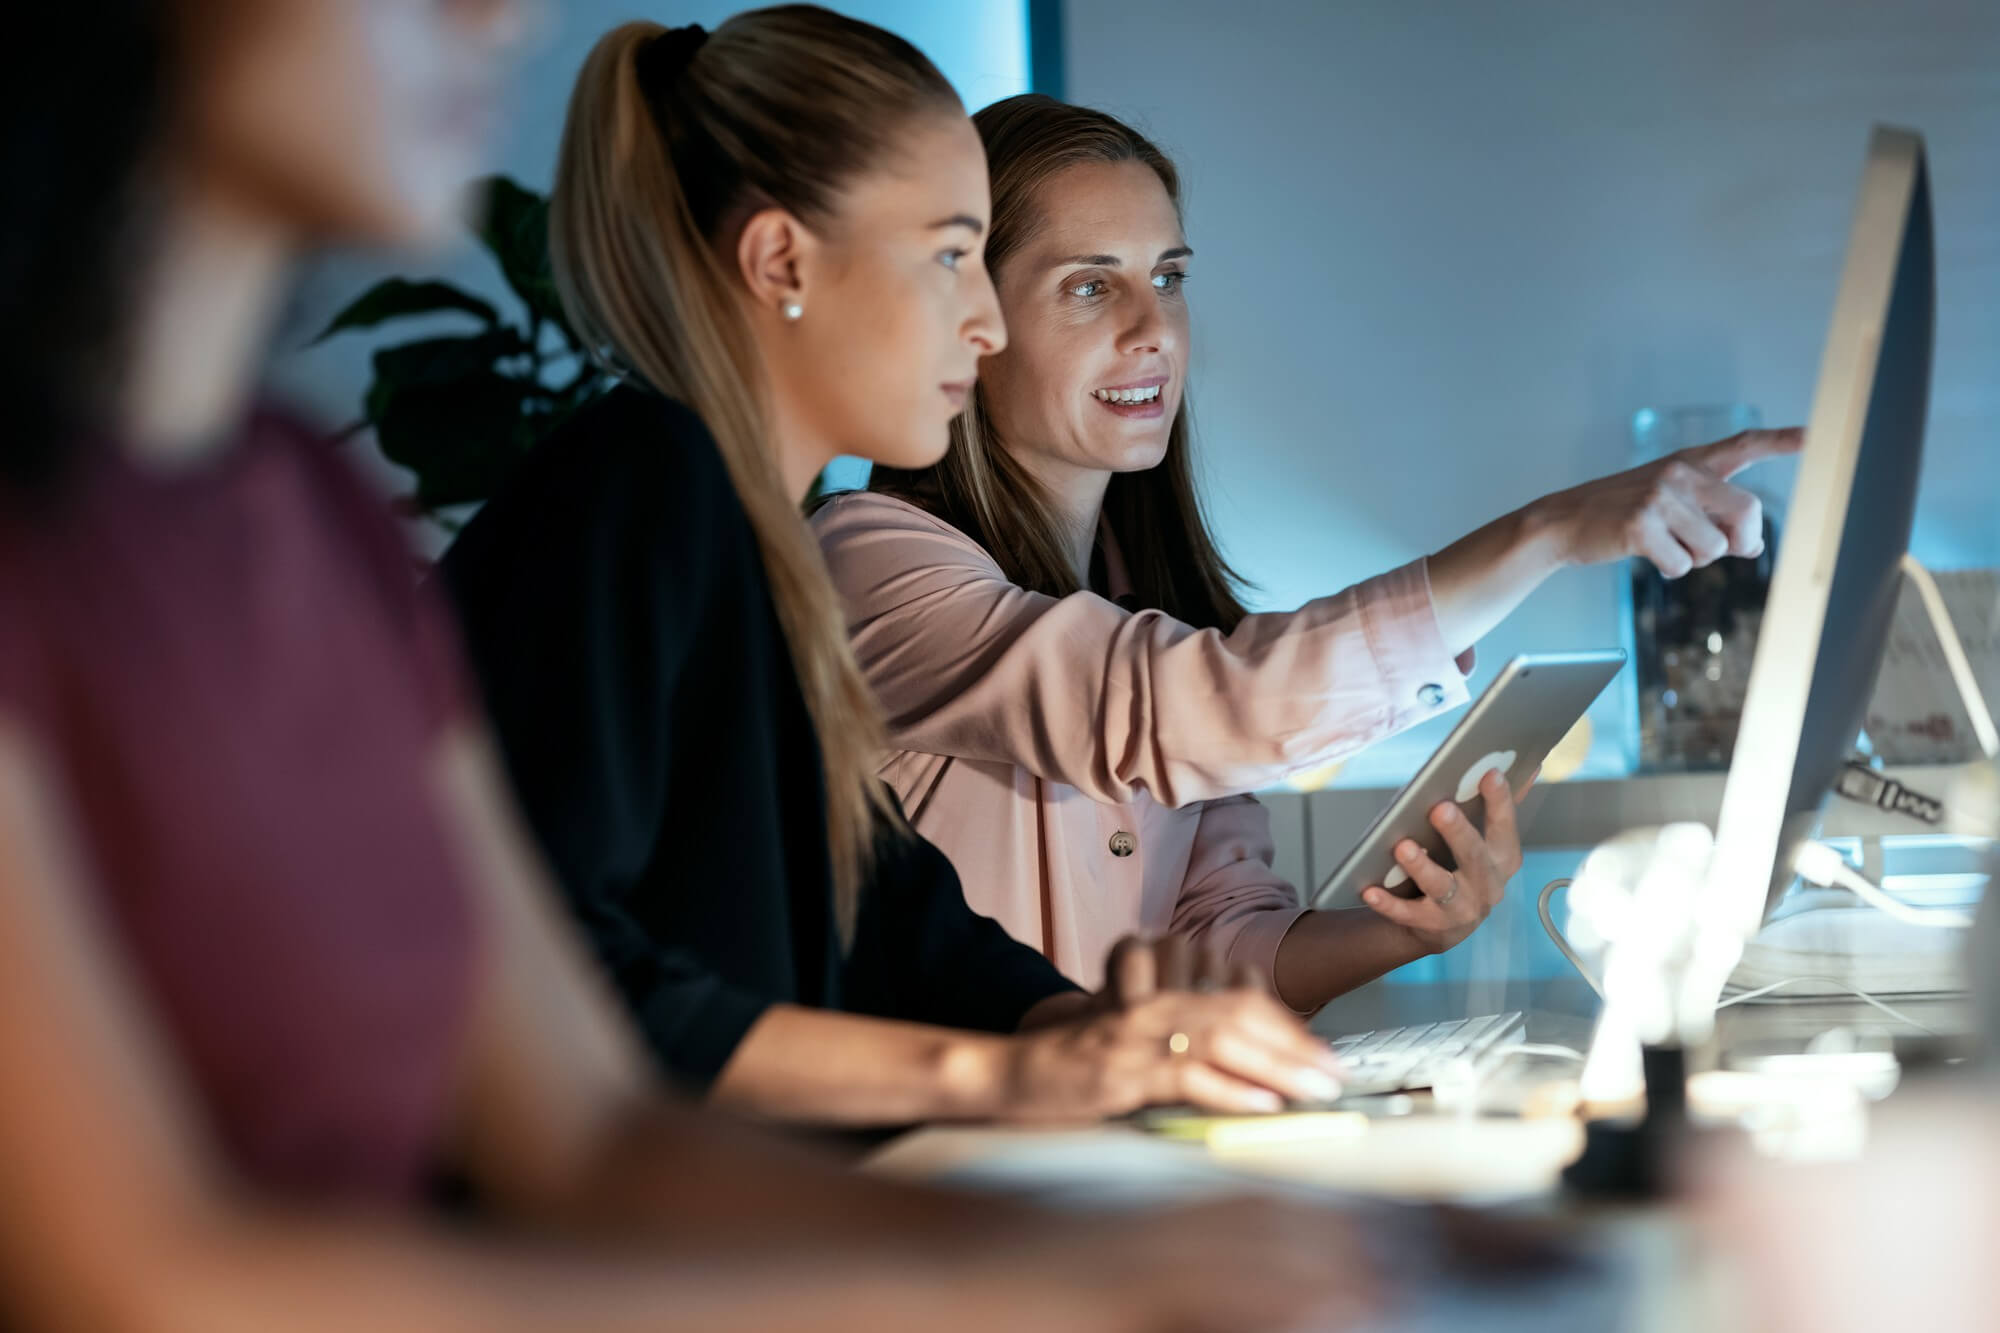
(1232, 899)
(1112, 702)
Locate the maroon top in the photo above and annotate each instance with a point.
(240, 689)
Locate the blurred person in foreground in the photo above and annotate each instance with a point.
(273, 955)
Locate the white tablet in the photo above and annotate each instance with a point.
(1522, 716)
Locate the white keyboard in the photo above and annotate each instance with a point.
(1398, 1059)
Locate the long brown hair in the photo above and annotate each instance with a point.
(1155, 516)
(674, 139)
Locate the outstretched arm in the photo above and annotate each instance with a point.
(1680, 512)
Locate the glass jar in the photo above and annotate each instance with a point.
(1694, 637)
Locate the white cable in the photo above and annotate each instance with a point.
(1560, 940)
(1822, 865)
(1955, 659)
(1816, 862)
(1743, 996)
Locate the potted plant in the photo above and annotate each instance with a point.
(459, 410)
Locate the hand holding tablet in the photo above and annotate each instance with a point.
(1509, 730)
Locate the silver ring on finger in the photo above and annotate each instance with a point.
(1447, 899)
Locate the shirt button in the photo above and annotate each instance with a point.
(1432, 695)
(1123, 843)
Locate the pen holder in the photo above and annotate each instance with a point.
(1637, 1161)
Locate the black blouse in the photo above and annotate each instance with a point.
(617, 614)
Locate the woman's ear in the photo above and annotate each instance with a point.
(775, 255)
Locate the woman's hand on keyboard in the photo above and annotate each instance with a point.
(1173, 1024)
(1454, 904)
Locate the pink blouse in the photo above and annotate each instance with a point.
(1082, 764)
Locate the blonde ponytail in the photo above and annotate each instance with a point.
(662, 145)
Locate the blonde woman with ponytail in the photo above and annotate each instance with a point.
(774, 232)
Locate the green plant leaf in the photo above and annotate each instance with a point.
(398, 298)
(460, 411)
(461, 437)
(448, 359)
(514, 226)
(454, 411)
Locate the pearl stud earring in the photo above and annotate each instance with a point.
(794, 311)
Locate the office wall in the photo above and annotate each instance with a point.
(1446, 249)
(981, 45)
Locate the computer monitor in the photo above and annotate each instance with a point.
(1846, 530)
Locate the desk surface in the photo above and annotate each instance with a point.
(1432, 1155)
(1418, 1157)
